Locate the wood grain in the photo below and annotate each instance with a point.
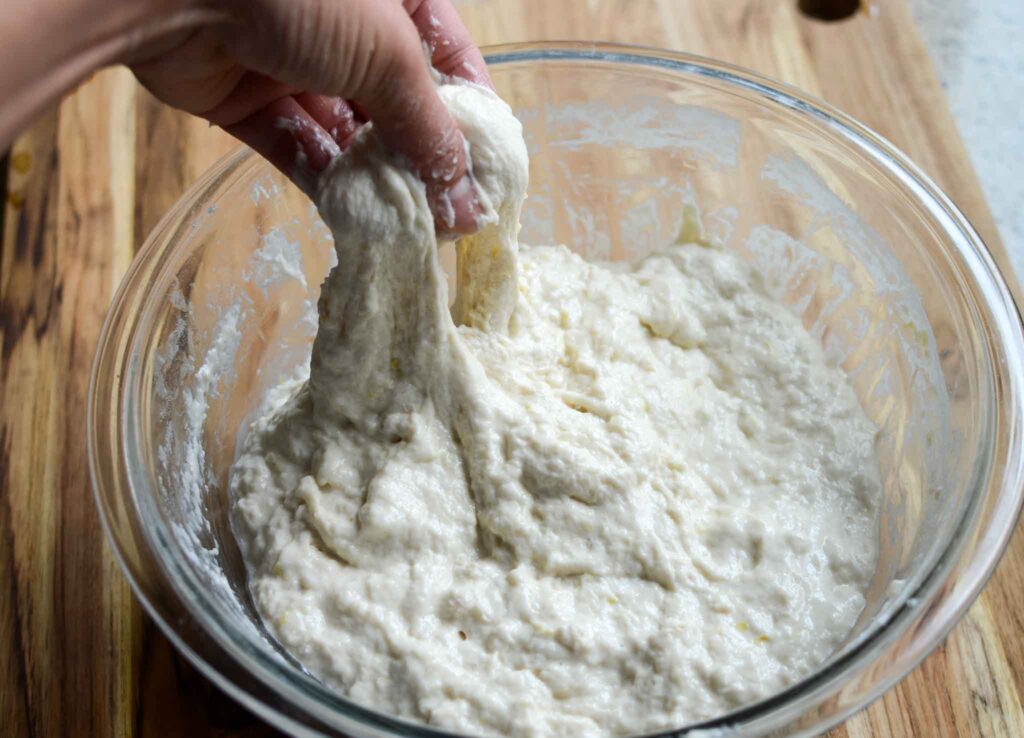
(68, 614)
(92, 177)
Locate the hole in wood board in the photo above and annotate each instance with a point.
(828, 10)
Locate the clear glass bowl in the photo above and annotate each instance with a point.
(629, 148)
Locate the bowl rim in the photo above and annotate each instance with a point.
(315, 699)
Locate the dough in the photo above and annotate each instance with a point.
(600, 501)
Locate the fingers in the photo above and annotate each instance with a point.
(288, 136)
(333, 114)
(368, 51)
(251, 93)
(452, 49)
(398, 94)
(295, 132)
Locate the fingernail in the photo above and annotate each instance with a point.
(466, 206)
(458, 209)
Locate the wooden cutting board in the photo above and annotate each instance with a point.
(90, 179)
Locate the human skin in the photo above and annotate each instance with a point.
(294, 79)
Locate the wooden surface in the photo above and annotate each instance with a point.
(91, 178)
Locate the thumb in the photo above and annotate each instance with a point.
(370, 52)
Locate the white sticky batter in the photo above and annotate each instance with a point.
(611, 500)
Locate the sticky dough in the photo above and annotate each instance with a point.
(586, 500)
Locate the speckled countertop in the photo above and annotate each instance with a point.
(978, 50)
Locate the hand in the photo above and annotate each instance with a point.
(295, 79)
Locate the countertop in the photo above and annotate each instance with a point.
(977, 47)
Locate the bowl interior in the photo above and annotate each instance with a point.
(626, 157)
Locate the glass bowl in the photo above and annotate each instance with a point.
(630, 148)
